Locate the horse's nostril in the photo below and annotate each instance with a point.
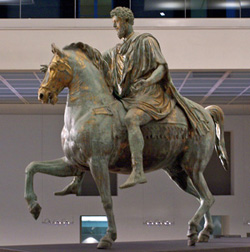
(41, 96)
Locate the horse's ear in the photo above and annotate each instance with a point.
(56, 50)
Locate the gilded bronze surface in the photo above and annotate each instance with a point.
(95, 139)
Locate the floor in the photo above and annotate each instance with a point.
(215, 245)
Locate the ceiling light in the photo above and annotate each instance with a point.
(245, 4)
(162, 14)
(226, 5)
(150, 5)
(16, 2)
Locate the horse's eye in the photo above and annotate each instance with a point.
(61, 67)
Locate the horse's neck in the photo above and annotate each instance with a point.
(88, 89)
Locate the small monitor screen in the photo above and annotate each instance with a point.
(92, 228)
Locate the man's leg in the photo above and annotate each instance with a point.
(133, 120)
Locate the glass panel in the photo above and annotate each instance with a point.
(245, 8)
(158, 8)
(213, 8)
(95, 8)
(141, 8)
(48, 9)
(9, 8)
(104, 8)
(98, 8)
(196, 8)
(86, 9)
(123, 3)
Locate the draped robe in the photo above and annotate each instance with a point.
(135, 59)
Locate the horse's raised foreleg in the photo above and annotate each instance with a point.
(206, 201)
(100, 173)
(58, 167)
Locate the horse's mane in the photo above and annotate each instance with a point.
(96, 58)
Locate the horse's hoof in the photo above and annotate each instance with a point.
(192, 240)
(191, 243)
(105, 243)
(35, 210)
(203, 238)
(72, 188)
(65, 191)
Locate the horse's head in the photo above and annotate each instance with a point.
(58, 76)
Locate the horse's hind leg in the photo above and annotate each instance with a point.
(73, 187)
(184, 182)
(100, 173)
(208, 228)
(206, 201)
(56, 167)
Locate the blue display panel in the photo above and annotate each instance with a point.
(92, 228)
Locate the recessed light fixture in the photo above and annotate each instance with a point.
(162, 14)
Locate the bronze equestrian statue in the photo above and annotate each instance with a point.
(123, 109)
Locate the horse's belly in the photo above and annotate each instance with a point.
(161, 149)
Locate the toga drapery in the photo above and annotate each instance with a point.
(135, 59)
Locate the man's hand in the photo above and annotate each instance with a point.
(139, 84)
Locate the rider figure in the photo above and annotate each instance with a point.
(142, 82)
(139, 71)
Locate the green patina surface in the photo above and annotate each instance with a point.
(124, 115)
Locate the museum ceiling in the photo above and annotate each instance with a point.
(204, 87)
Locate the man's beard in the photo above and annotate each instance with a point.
(121, 33)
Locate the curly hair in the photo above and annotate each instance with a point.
(124, 13)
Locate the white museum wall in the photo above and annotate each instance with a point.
(186, 43)
(26, 135)
(25, 138)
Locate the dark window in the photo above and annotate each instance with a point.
(48, 9)
(245, 8)
(8, 10)
(88, 186)
(219, 180)
(98, 8)
(213, 8)
(123, 3)
(94, 8)
(141, 8)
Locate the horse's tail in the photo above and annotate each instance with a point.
(218, 118)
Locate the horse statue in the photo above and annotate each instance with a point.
(94, 138)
